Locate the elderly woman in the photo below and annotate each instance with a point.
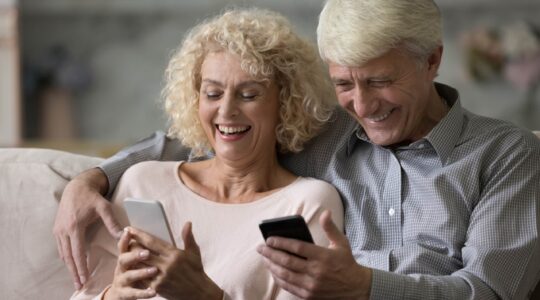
(244, 87)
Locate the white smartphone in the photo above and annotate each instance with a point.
(149, 215)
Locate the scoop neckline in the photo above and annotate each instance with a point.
(200, 198)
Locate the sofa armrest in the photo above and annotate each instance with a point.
(31, 184)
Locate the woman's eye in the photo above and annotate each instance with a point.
(213, 95)
(248, 97)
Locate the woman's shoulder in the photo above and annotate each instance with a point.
(317, 190)
(147, 178)
(150, 170)
(314, 183)
(314, 197)
(151, 166)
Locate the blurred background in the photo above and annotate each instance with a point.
(85, 75)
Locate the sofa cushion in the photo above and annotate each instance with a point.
(31, 183)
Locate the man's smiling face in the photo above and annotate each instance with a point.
(392, 96)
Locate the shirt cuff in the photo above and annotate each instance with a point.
(386, 285)
(113, 168)
(150, 148)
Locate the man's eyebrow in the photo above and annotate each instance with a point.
(336, 80)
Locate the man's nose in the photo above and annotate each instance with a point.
(363, 103)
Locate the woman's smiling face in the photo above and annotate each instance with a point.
(238, 113)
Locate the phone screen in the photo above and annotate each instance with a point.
(149, 216)
(293, 227)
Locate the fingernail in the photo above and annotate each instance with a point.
(83, 279)
(126, 230)
(144, 254)
(77, 286)
(150, 292)
(151, 270)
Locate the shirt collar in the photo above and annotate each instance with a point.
(443, 137)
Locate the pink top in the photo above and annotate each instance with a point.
(227, 234)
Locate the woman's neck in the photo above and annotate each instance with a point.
(226, 181)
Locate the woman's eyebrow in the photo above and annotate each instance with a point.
(212, 81)
(242, 84)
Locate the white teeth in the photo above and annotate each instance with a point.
(380, 118)
(232, 130)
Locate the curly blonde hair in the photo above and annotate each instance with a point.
(268, 50)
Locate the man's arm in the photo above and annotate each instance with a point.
(500, 258)
(83, 201)
(326, 272)
(155, 147)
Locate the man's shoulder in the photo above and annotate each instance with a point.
(505, 135)
(339, 128)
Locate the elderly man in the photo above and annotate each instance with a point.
(439, 202)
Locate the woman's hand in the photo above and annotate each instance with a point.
(131, 272)
(180, 272)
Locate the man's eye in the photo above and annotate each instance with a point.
(379, 83)
(342, 85)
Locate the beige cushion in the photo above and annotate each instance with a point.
(31, 183)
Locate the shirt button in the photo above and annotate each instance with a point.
(391, 212)
(421, 146)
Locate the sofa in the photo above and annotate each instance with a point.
(31, 184)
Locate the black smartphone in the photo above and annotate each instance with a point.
(293, 227)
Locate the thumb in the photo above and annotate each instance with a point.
(106, 214)
(334, 235)
(189, 240)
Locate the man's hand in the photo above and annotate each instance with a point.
(330, 273)
(82, 204)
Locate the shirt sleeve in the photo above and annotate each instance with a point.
(501, 253)
(155, 147)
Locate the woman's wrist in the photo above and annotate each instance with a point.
(104, 296)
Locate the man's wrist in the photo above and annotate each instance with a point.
(366, 282)
(94, 178)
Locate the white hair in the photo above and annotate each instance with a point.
(351, 32)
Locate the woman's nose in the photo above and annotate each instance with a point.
(228, 106)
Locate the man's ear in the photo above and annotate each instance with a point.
(434, 61)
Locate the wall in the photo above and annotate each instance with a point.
(125, 46)
(9, 74)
